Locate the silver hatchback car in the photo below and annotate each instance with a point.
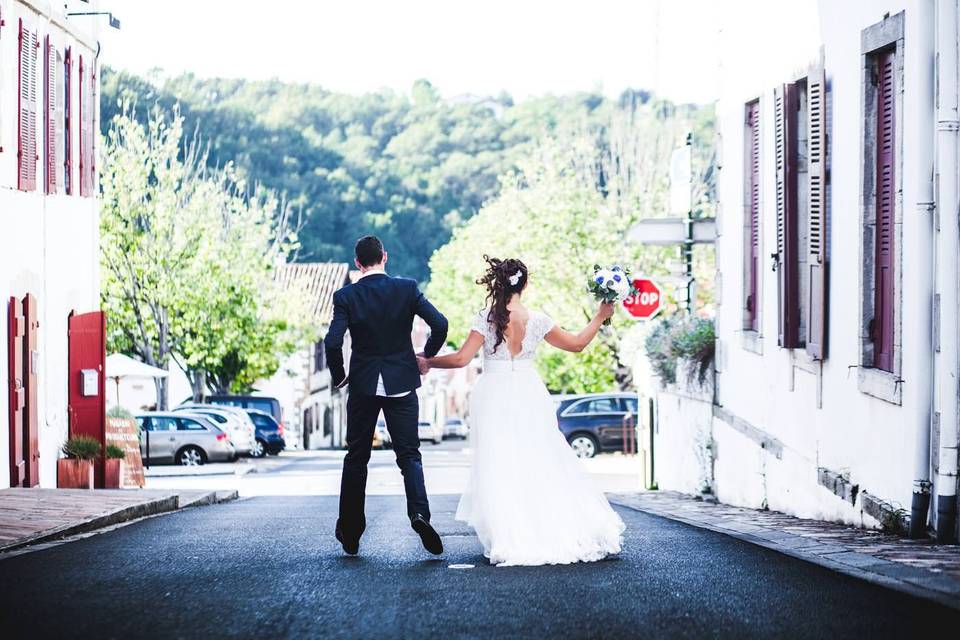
(182, 438)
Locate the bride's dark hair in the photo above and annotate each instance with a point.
(500, 289)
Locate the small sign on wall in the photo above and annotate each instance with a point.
(89, 382)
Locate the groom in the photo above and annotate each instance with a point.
(378, 310)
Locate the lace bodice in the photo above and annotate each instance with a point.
(538, 325)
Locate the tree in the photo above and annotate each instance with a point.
(187, 258)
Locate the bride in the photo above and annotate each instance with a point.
(529, 499)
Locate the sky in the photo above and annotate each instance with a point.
(526, 47)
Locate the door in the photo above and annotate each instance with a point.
(162, 438)
(85, 386)
(31, 357)
(15, 399)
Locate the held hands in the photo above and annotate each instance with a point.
(605, 311)
(422, 364)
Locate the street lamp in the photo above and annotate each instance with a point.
(114, 22)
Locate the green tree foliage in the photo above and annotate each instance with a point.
(566, 208)
(411, 168)
(187, 260)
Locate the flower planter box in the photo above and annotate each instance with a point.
(113, 473)
(74, 474)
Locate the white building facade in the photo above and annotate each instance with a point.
(837, 364)
(49, 207)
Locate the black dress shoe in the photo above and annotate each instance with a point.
(428, 535)
(351, 547)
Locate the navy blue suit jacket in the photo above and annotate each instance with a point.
(378, 310)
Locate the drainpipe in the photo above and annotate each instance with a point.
(948, 123)
(924, 282)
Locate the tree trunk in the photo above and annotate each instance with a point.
(196, 380)
(163, 392)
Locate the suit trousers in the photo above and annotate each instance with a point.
(402, 417)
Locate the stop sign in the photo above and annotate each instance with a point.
(646, 302)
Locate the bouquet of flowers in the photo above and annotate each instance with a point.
(611, 284)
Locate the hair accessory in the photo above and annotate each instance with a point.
(515, 278)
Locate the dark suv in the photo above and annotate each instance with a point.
(594, 423)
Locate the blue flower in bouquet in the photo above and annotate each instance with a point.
(611, 284)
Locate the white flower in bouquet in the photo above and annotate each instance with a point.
(611, 284)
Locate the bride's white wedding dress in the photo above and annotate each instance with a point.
(529, 498)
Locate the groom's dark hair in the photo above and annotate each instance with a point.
(369, 251)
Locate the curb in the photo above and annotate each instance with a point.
(883, 573)
(239, 472)
(157, 506)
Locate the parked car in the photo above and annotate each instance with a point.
(234, 421)
(269, 434)
(594, 423)
(383, 435)
(430, 431)
(455, 428)
(260, 403)
(183, 438)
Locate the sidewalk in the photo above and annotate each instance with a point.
(918, 567)
(28, 516)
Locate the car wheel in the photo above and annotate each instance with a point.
(583, 445)
(191, 457)
(259, 449)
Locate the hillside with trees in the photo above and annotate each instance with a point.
(410, 167)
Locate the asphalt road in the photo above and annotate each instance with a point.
(269, 567)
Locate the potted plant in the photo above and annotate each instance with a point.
(76, 470)
(113, 467)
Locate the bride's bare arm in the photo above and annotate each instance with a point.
(462, 357)
(576, 342)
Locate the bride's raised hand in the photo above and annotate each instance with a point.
(606, 310)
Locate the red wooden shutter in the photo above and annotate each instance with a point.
(883, 308)
(84, 132)
(49, 116)
(753, 168)
(817, 265)
(27, 107)
(67, 129)
(786, 264)
(15, 398)
(92, 111)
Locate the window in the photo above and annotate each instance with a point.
(189, 425)
(785, 114)
(800, 259)
(319, 357)
(27, 110)
(630, 405)
(49, 116)
(67, 130)
(751, 253)
(595, 405)
(162, 424)
(881, 209)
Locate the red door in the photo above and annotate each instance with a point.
(31, 355)
(15, 331)
(87, 407)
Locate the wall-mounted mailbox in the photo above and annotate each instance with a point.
(89, 379)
